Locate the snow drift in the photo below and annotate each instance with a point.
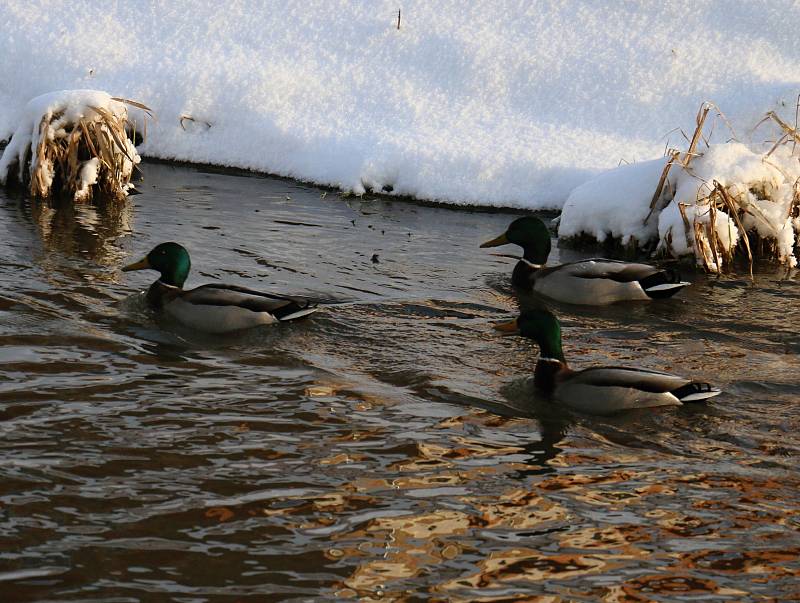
(489, 103)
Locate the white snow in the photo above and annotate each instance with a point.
(87, 177)
(482, 102)
(615, 204)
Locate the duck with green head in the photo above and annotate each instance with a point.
(600, 389)
(594, 282)
(214, 308)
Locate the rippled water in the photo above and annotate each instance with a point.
(386, 448)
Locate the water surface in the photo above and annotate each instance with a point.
(386, 448)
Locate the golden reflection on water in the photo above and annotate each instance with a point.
(528, 565)
(518, 509)
(644, 510)
(668, 587)
(272, 462)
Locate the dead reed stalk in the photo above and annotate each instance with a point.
(733, 211)
(700, 120)
(661, 181)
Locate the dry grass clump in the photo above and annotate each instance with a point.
(723, 222)
(80, 146)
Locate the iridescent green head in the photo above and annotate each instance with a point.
(541, 326)
(169, 259)
(531, 234)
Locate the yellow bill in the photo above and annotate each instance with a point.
(501, 240)
(142, 264)
(509, 327)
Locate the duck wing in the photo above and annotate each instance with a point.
(634, 378)
(621, 272)
(606, 390)
(589, 282)
(282, 307)
(655, 282)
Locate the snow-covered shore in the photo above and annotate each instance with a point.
(497, 104)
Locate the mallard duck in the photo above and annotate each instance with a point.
(211, 308)
(599, 389)
(593, 282)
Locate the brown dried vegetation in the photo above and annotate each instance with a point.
(78, 159)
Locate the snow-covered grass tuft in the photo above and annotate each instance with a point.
(73, 143)
(718, 203)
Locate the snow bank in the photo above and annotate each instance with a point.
(484, 102)
(727, 189)
(72, 139)
(611, 204)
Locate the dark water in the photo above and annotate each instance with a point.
(386, 448)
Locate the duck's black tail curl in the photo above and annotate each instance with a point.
(298, 308)
(661, 284)
(695, 392)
